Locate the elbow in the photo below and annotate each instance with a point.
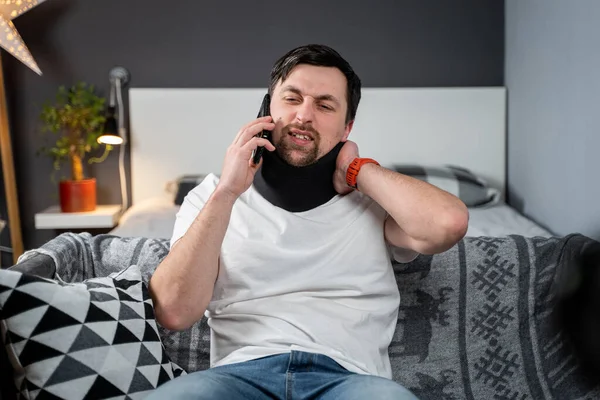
(170, 319)
(458, 224)
(169, 311)
(452, 227)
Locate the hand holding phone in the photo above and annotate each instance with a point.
(238, 170)
(263, 112)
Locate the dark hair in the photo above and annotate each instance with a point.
(322, 56)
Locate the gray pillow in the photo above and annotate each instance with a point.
(96, 338)
(473, 190)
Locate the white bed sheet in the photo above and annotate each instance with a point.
(155, 218)
(500, 220)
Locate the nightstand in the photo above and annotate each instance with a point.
(103, 217)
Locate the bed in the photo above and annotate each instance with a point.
(155, 218)
(177, 132)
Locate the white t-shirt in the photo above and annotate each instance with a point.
(318, 281)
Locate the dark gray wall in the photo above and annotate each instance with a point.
(553, 80)
(232, 44)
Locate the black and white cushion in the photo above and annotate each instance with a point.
(472, 189)
(97, 338)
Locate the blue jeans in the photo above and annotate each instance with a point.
(295, 375)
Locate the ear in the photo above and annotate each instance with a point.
(347, 130)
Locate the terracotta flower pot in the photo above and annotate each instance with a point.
(78, 196)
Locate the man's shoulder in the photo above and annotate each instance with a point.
(198, 195)
(209, 182)
(357, 199)
(212, 179)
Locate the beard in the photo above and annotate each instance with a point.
(295, 154)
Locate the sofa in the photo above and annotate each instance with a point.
(491, 318)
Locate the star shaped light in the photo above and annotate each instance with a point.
(10, 39)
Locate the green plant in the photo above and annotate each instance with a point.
(77, 118)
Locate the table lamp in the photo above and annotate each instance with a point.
(114, 127)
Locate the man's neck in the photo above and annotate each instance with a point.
(297, 189)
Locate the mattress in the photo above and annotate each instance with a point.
(155, 218)
(502, 220)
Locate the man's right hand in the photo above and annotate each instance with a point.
(238, 169)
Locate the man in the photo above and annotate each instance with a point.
(290, 258)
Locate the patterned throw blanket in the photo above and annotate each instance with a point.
(475, 322)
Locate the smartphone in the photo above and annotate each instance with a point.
(263, 112)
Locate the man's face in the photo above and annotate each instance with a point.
(309, 111)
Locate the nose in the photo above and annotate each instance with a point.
(305, 112)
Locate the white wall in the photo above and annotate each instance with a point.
(553, 80)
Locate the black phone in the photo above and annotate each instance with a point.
(263, 112)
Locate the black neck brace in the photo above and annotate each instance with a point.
(297, 189)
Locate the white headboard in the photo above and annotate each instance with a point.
(187, 131)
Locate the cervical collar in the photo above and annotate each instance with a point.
(297, 189)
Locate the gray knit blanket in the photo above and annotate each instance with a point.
(475, 322)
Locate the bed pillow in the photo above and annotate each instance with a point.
(461, 182)
(95, 338)
(184, 185)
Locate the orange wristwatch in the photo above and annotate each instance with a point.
(354, 168)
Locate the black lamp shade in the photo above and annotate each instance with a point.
(110, 135)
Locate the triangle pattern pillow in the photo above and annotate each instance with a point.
(97, 338)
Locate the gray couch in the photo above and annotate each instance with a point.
(491, 318)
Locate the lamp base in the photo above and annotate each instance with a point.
(78, 196)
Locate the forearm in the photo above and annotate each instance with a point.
(431, 217)
(182, 285)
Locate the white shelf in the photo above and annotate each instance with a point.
(105, 216)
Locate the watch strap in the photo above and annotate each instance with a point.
(354, 169)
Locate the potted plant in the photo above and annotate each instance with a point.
(75, 121)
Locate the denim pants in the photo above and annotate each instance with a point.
(290, 376)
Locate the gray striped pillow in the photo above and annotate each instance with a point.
(461, 182)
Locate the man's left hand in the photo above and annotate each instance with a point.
(347, 154)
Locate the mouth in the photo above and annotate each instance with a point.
(301, 136)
